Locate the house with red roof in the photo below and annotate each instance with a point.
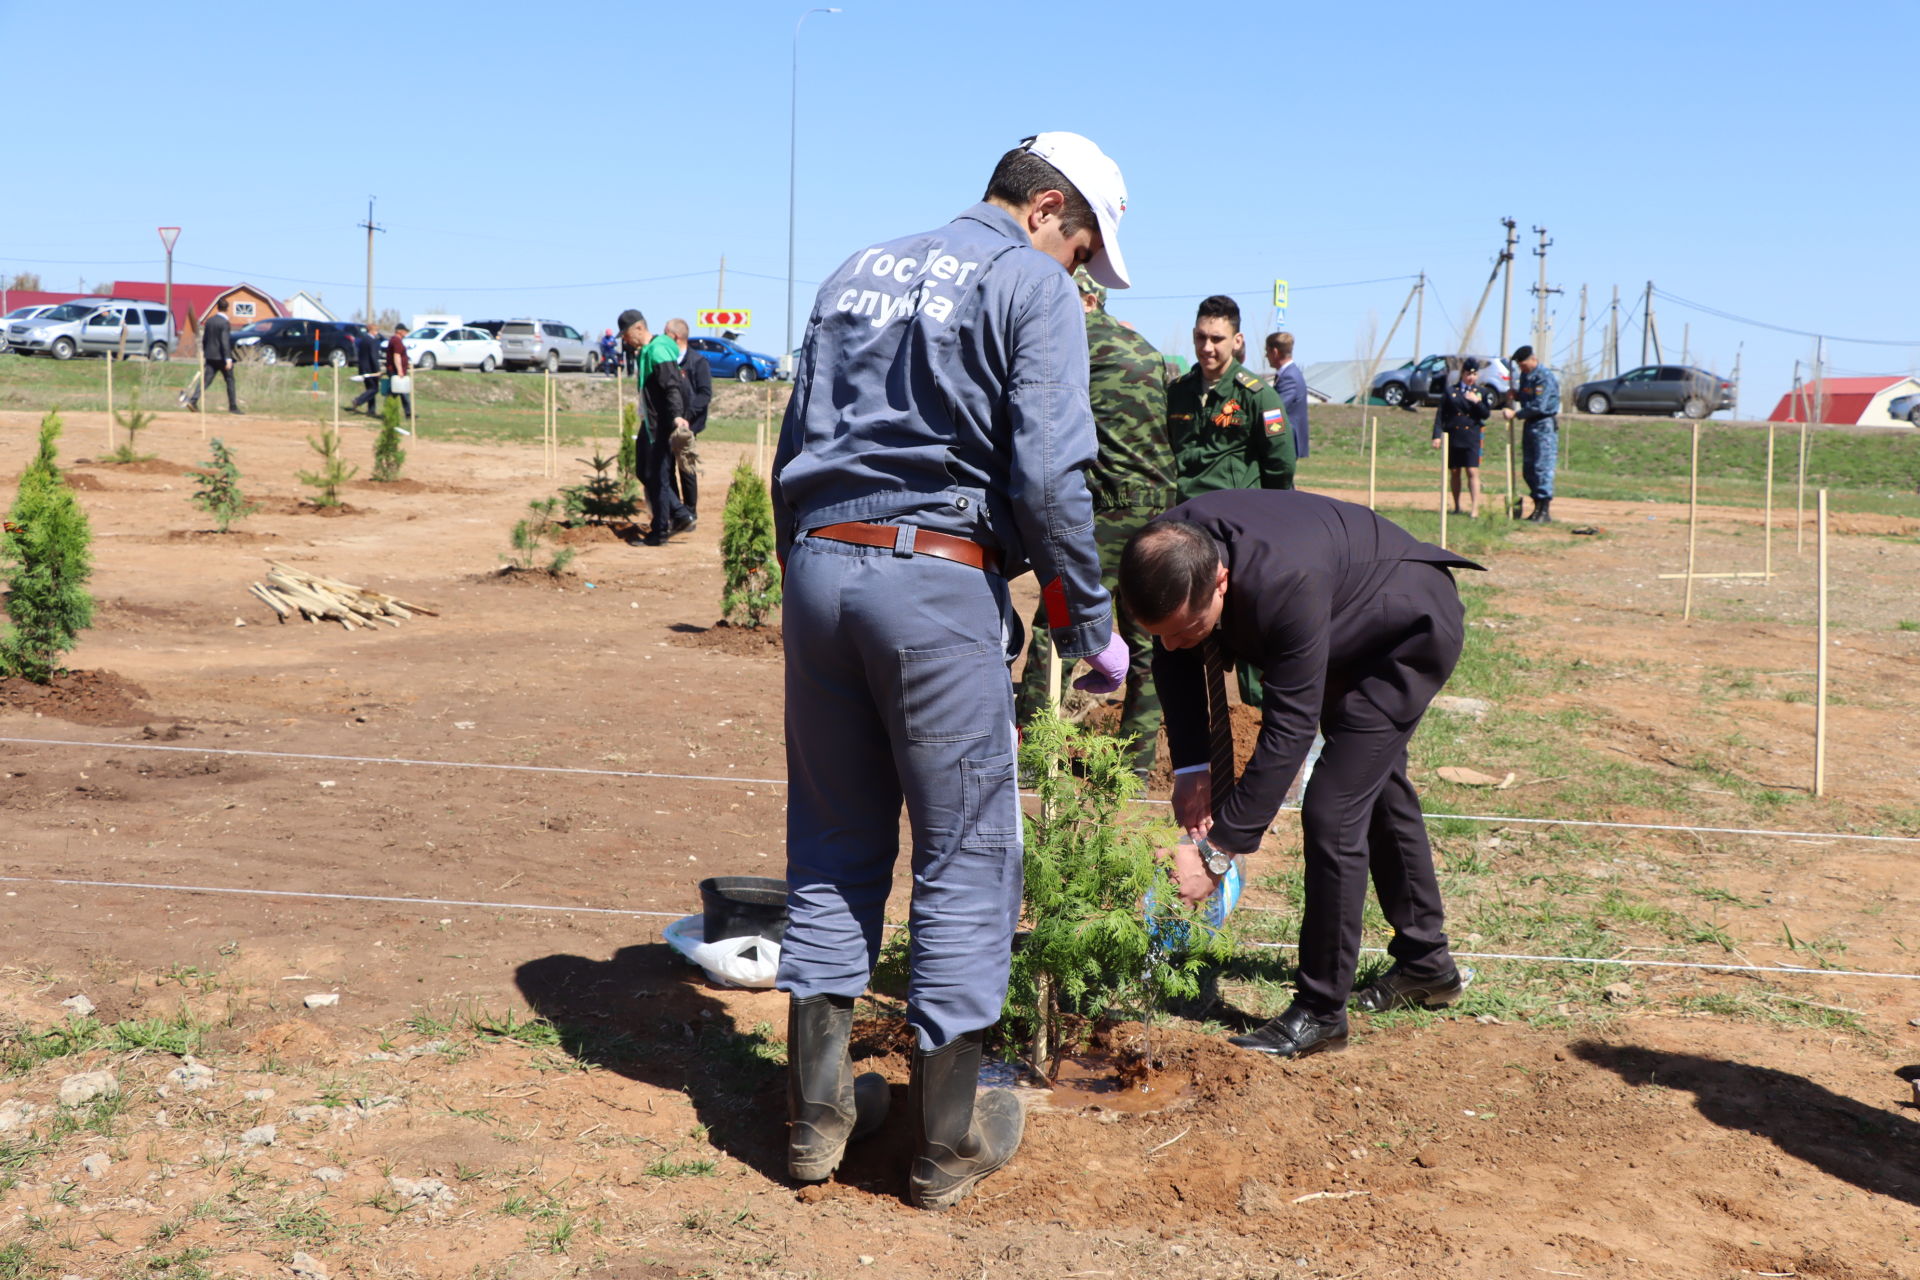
(1856, 401)
(193, 303)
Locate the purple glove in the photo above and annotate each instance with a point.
(1109, 667)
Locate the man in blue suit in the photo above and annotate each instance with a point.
(1292, 386)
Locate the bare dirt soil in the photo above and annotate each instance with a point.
(423, 1127)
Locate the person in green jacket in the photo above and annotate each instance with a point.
(1132, 482)
(1227, 425)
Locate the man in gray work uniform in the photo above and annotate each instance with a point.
(935, 445)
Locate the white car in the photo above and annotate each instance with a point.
(433, 347)
(19, 313)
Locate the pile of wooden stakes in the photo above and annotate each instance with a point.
(289, 591)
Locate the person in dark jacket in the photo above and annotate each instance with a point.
(216, 357)
(400, 365)
(1292, 386)
(366, 359)
(662, 390)
(1355, 626)
(699, 375)
(1461, 422)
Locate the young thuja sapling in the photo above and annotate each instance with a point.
(530, 540)
(388, 456)
(133, 422)
(45, 559)
(750, 567)
(333, 472)
(1091, 867)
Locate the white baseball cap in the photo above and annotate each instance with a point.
(1094, 174)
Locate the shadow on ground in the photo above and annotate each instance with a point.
(1874, 1149)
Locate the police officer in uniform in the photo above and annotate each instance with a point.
(1537, 404)
(1132, 482)
(935, 444)
(1228, 427)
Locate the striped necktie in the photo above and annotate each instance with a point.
(1219, 725)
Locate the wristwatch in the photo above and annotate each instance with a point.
(1218, 861)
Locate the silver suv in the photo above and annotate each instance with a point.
(95, 327)
(542, 344)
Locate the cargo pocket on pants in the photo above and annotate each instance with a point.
(948, 695)
(991, 814)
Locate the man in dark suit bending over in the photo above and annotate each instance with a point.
(1355, 626)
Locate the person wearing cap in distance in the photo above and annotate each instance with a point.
(662, 392)
(1355, 626)
(1537, 405)
(934, 446)
(1460, 423)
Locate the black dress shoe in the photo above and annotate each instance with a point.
(1394, 989)
(1295, 1034)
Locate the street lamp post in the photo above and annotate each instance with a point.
(167, 237)
(793, 137)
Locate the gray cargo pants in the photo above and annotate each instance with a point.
(898, 689)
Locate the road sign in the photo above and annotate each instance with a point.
(1280, 294)
(168, 235)
(722, 318)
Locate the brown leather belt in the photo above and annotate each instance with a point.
(925, 542)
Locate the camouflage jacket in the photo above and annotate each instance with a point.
(1231, 434)
(1128, 387)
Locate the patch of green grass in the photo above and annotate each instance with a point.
(184, 1265)
(1907, 624)
(667, 1167)
(18, 1263)
(180, 1034)
(309, 1223)
(26, 1050)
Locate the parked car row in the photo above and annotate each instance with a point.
(95, 327)
(291, 340)
(728, 359)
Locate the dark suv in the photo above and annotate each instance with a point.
(298, 341)
(1664, 389)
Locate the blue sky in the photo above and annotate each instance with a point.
(1750, 157)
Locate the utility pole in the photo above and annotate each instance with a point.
(1419, 310)
(720, 294)
(1736, 378)
(1473, 321)
(1613, 336)
(1506, 293)
(1686, 343)
(1542, 327)
(371, 228)
(1647, 331)
(1580, 340)
(1819, 379)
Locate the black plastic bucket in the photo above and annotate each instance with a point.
(743, 907)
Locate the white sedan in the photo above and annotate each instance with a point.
(433, 347)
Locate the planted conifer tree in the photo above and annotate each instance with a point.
(605, 495)
(388, 456)
(1090, 869)
(217, 490)
(748, 561)
(133, 422)
(46, 556)
(333, 473)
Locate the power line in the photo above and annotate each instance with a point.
(1781, 328)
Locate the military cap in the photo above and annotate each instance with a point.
(1087, 284)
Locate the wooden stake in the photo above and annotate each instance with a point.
(1820, 656)
(1373, 456)
(336, 400)
(1766, 538)
(1443, 491)
(1741, 573)
(1800, 497)
(110, 398)
(766, 429)
(1693, 517)
(1055, 671)
(1509, 507)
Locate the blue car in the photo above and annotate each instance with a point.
(731, 360)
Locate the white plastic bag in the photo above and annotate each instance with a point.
(751, 961)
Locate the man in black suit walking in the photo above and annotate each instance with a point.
(368, 359)
(1355, 626)
(216, 356)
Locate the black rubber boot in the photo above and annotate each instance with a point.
(1543, 510)
(690, 492)
(826, 1106)
(959, 1138)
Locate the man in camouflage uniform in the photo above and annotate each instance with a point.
(1132, 482)
(1227, 426)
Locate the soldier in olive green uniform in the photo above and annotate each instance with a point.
(1228, 428)
(1132, 482)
